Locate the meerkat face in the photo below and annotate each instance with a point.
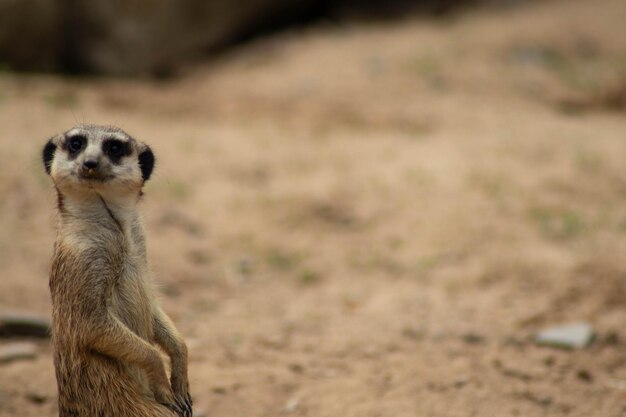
(97, 157)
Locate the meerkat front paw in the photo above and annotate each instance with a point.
(183, 398)
(163, 395)
(169, 401)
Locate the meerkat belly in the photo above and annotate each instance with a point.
(131, 301)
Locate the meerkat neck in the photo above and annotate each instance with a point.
(98, 207)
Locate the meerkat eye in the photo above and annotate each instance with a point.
(115, 149)
(75, 144)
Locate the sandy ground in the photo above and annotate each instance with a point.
(368, 220)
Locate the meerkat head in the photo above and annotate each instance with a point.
(99, 158)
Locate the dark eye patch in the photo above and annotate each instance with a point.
(75, 144)
(116, 149)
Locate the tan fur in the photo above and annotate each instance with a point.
(106, 322)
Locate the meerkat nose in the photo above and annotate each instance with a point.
(90, 164)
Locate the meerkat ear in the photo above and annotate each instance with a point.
(146, 162)
(48, 155)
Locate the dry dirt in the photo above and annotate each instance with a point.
(365, 220)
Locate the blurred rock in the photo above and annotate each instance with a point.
(154, 37)
(473, 338)
(118, 37)
(30, 34)
(609, 98)
(584, 375)
(37, 397)
(19, 324)
(17, 351)
(571, 336)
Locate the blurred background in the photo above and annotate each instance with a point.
(359, 208)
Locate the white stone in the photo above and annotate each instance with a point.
(18, 350)
(570, 336)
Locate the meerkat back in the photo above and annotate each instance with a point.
(107, 327)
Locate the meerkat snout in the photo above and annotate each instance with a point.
(90, 164)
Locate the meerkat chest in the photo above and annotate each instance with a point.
(131, 295)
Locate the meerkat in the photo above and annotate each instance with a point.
(107, 326)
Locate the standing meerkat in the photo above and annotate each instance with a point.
(106, 322)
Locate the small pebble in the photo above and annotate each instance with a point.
(571, 336)
(292, 405)
(296, 368)
(461, 381)
(473, 338)
(37, 397)
(219, 390)
(584, 375)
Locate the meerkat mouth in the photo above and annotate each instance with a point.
(93, 176)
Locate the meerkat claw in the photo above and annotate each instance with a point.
(184, 407)
(176, 409)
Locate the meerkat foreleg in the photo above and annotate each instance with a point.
(166, 336)
(111, 337)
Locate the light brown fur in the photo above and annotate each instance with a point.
(106, 322)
